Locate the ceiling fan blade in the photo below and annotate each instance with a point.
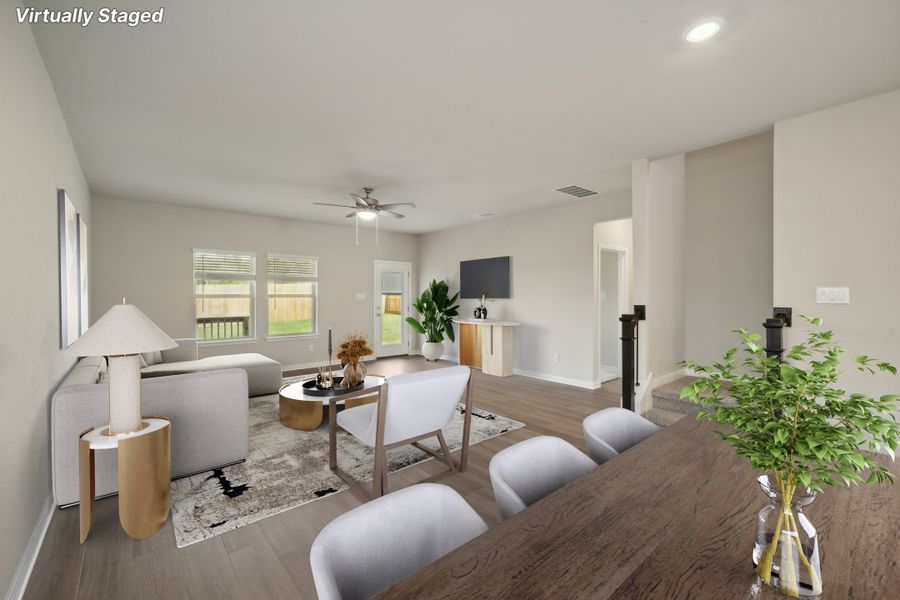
(351, 215)
(361, 202)
(396, 215)
(326, 204)
(397, 204)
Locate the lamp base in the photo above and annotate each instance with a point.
(124, 394)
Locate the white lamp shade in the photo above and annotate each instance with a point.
(122, 330)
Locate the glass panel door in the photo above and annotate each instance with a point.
(391, 308)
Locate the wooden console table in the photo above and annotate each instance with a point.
(487, 344)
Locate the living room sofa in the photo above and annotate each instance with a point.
(263, 373)
(208, 411)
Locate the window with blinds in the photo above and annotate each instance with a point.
(224, 291)
(292, 291)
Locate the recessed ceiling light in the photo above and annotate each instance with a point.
(703, 31)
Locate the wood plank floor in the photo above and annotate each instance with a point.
(270, 558)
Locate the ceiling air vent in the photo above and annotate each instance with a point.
(486, 215)
(577, 191)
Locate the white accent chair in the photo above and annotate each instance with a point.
(612, 431)
(410, 408)
(378, 544)
(526, 472)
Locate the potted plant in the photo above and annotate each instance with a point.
(793, 423)
(437, 310)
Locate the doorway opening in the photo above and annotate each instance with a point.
(612, 276)
(391, 308)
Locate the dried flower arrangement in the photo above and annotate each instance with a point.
(353, 348)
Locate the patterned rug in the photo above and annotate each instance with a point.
(287, 468)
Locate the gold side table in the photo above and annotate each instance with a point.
(299, 410)
(145, 474)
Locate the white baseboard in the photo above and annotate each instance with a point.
(23, 572)
(667, 378)
(313, 365)
(581, 383)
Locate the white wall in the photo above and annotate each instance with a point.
(552, 278)
(837, 217)
(658, 216)
(143, 251)
(728, 243)
(36, 158)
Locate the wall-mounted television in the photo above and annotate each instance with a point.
(488, 277)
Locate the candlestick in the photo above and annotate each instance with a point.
(330, 372)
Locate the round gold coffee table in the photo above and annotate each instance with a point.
(299, 410)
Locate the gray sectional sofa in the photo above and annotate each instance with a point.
(207, 400)
(263, 373)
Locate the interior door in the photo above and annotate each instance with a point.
(391, 308)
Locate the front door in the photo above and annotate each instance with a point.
(391, 308)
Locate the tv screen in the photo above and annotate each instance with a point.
(488, 276)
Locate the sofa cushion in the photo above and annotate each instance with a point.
(263, 373)
(149, 359)
(81, 376)
(85, 372)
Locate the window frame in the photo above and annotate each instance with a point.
(270, 337)
(251, 334)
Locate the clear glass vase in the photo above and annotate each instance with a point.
(786, 553)
(354, 373)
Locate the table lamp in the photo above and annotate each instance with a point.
(122, 334)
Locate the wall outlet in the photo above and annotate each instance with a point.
(311, 347)
(556, 357)
(832, 295)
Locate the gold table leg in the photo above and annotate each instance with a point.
(85, 485)
(145, 475)
(304, 415)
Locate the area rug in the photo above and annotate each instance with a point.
(287, 468)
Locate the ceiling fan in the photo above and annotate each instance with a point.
(368, 208)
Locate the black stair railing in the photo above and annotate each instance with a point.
(630, 346)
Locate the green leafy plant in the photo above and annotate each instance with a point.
(437, 309)
(791, 420)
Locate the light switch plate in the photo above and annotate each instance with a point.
(832, 295)
(360, 295)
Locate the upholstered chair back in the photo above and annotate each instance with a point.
(375, 545)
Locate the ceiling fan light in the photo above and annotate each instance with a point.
(366, 215)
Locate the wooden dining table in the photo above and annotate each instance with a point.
(673, 517)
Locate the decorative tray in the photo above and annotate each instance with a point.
(310, 389)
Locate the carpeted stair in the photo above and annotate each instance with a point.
(667, 406)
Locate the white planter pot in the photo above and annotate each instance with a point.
(432, 350)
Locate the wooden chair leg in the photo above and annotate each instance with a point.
(385, 472)
(446, 451)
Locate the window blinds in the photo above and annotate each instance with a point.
(292, 268)
(211, 264)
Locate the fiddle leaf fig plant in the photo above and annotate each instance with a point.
(437, 310)
(791, 419)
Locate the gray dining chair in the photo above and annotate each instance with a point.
(526, 472)
(372, 547)
(612, 431)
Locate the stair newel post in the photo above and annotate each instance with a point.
(640, 314)
(629, 323)
(774, 337)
